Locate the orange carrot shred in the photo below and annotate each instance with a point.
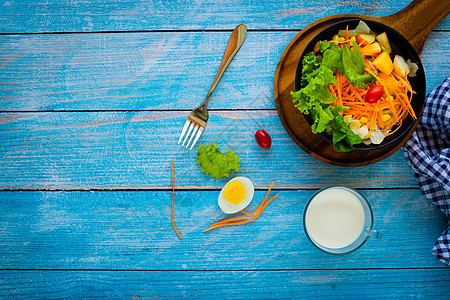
(245, 213)
(339, 88)
(173, 197)
(250, 217)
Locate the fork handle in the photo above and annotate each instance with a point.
(236, 40)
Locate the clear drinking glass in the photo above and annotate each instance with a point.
(333, 217)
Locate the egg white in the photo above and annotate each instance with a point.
(230, 208)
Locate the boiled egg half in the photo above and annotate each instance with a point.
(236, 195)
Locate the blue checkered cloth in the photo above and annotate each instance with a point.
(428, 153)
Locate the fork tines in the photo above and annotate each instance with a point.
(190, 128)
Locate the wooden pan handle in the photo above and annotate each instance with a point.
(416, 21)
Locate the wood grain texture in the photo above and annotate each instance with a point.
(86, 16)
(157, 71)
(249, 284)
(132, 230)
(107, 150)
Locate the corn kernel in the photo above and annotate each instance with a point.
(355, 125)
(347, 119)
(385, 118)
(363, 120)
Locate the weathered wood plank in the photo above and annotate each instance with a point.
(107, 150)
(84, 16)
(249, 284)
(132, 230)
(158, 70)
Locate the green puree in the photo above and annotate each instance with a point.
(314, 97)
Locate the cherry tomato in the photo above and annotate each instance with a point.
(374, 94)
(263, 139)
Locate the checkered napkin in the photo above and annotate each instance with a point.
(428, 153)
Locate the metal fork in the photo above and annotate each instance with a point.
(198, 117)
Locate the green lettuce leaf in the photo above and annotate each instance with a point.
(332, 56)
(353, 67)
(343, 137)
(316, 92)
(216, 163)
(314, 97)
(310, 64)
(322, 117)
(323, 46)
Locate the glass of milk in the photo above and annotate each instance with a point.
(338, 220)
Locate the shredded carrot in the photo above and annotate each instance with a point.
(396, 100)
(388, 113)
(250, 217)
(339, 87)
(245, 213)
(173, 197)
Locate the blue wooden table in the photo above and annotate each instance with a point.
(93, 95)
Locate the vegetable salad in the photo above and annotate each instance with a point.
(353, 90)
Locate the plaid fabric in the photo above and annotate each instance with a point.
(428, 153)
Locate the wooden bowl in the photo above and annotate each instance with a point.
(414, 23)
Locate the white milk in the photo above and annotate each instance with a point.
(334, 218)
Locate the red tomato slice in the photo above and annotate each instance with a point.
(263, 139)
(374, 94)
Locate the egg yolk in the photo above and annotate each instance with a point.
(234, 192)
